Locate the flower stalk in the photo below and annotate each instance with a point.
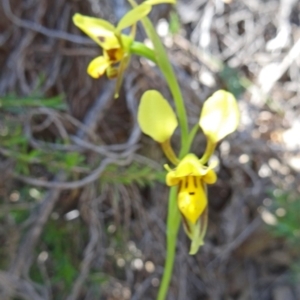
(188, 199)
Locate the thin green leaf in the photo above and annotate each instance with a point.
(133, 16)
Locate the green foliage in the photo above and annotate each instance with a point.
(174, 26)
(286, 207)
(233, 81)
(99, 278)
(63, 241)
(18, 209)
(19, 215)
(15, 104)
(135, 173)
(295, 272)
(15, 144)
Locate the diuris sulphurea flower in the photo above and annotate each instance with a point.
(219, 117)
(191, 176)
(116, 46)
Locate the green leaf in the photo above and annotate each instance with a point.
(16, 140)
(133, 16)
(174, 26)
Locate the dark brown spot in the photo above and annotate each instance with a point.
(112, 53)
(191, 193)
(101, 39)
(186, 182)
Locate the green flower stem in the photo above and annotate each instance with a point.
(123, 65)
(165, 66)
(168, 150)
(186, 147)
(174, 218)
(142, 50)
(167, 70)
(173, 223)
(210, 148)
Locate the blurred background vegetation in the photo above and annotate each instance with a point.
(82, 195)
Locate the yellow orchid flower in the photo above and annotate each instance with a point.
(115, 45)
(191, 176)
(158, 120)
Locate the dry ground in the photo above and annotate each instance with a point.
(82, 194)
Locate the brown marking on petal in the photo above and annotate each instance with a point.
(186, 224)
(101, 39)
(179, 186)
(203, 220)
(115, 54)
(112, 54)
(195, 181)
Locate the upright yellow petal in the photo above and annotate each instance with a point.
(210, 177)
(171, 179)
(134, 15)
(98, 66)
(156, 117)
(220, 116)
(101, 31)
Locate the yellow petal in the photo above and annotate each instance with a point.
(98, 66)
(191, 198)
(190, 165)
(172, 180)
(134, 15)
(156, 117)
(101, 31)
(220, 116)
(210, 177)
(112, 72)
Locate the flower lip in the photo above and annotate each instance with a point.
(191, 166)
(191, 199)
